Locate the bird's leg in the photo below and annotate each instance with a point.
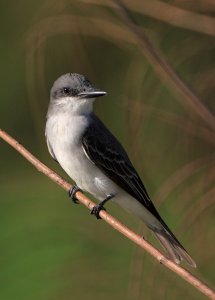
(96, 209)
(73, 190)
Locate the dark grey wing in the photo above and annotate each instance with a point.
(106, 153)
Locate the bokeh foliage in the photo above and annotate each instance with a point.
(52, 249)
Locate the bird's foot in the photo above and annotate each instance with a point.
(73, 190)
(96, 209)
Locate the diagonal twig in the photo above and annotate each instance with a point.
(137, 239)
(168, 13)
(165, 71)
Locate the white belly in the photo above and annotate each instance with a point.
(63, 135)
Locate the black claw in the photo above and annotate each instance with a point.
(96, 209)
(73, 190)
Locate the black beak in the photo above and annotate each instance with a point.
(92, 94)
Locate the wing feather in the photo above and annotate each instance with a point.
(106, 153)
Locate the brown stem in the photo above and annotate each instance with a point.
(162, 11)
(137, 239)
(166, 72)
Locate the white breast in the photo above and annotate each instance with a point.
(64, 136)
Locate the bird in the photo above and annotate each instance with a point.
(96, 161)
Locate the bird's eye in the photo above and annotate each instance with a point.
(66, 90)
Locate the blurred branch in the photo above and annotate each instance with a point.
(175, 16)
(169, 14)
(121, 36)
(189, 126)
(193, 214)
(166, 72)
(137, 239)
(184, 173)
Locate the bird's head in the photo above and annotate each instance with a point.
(73, 93)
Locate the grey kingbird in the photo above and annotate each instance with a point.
(91, 155)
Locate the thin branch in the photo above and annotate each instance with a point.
(166, 72)
(168, 13)
(137, 239)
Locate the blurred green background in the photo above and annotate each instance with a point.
(53, 249)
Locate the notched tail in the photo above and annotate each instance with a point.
(172, 246)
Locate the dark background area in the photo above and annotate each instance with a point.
(53, 249)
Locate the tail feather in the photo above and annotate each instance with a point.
(172, 246)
